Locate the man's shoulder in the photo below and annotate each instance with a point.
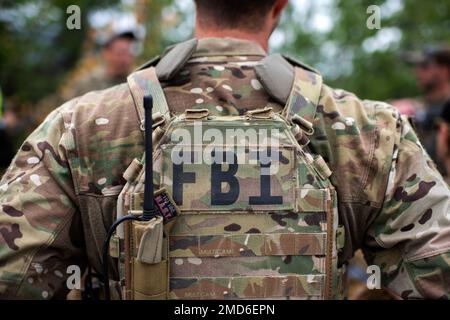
(347, 103)
(115, 102)
(349, 115)
(103, 136)
(358, 139)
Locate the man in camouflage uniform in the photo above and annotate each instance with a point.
(58, 198)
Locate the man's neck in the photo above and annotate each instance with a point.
(259, 38)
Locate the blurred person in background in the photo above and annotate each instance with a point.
(433, 77)
(432, 71)
(117, 62)
(7, 120)
(110, 68)
(443, 139)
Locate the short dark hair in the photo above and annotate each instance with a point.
(441, 56)
(248, 14)
(445, 115)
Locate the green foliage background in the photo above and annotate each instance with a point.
(374, 74)
(37, 50)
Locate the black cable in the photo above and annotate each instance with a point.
(106, 251)
(149, 206)
(88, 292)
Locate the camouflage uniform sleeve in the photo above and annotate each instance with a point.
(39, 226)
(410, 239)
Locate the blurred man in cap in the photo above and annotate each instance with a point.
(118, 59)
(433, 77)
(6, 120)
(443, 139)
(433, 74)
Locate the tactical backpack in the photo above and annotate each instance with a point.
(232, 228)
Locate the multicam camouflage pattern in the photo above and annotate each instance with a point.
(252, 287)
(236, 250)
(243, 250)
(59, 196)
(421, 196)
(96, 79)
(251, 244)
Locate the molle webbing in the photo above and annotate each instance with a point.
(239, 250)
(304, 96)
(297, 87)
(144, 83)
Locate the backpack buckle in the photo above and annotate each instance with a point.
(265, 113)
(304, 124)
(196, 114)
(158, 120)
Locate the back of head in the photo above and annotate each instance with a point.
(233, 14)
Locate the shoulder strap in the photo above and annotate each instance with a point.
(297, 63)
(304, 96)
(145, 82)
(150, 63)
(292, 84)
(146, 79)
(172, 60)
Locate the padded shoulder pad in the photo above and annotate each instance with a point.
(298, 63)
(175, 59)
(150, 63)
(172, 60)
(277, 76)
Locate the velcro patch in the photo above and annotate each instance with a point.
(165, 205)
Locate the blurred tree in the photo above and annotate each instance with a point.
(166, 22)
(150, 14)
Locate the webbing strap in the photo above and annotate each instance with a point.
(302, 286)
(143, 83)
(304, 95)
